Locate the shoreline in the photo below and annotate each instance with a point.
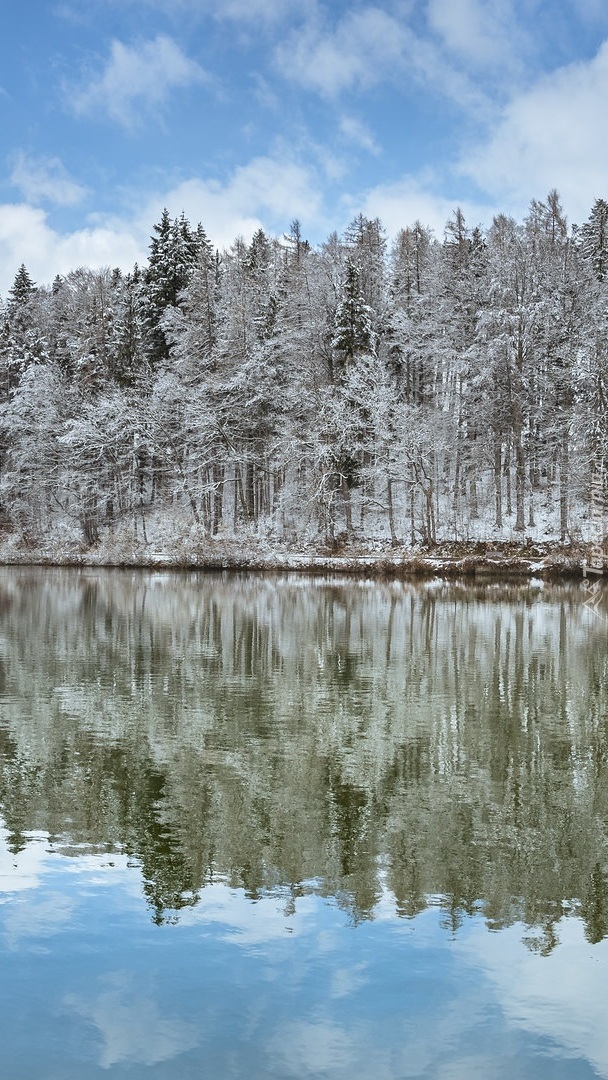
(476, 560)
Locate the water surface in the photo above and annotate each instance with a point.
(290, 827)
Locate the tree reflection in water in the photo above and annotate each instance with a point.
(314, 735)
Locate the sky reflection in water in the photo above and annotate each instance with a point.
(253, 987)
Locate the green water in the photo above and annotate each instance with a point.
(277, 827)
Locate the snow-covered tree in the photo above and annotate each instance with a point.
(593, 240)
(175, 252)
(353, 322)
(22, 338)
(445, 389)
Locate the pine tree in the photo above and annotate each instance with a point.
(22, 290)
(353, 326)
(22, 340)
(129, 354)
(262, 263)
(593, 239)
(175, 250)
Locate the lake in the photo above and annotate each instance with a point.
(296, 827)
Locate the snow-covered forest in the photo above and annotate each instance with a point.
(425, 390)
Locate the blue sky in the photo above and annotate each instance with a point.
(248, 113)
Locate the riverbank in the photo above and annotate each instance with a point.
(448, 560)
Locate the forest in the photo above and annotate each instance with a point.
(359, 392)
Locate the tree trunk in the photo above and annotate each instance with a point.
(391, 511)
(249, 491)
(498, 480)
(474, 506)
(564, 482)
(520, 485)
(430, 532)
(508, 479)
(348, 509)
(218, 498)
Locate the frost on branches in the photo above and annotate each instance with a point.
(435, 389)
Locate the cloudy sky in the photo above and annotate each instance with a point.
(255, 112)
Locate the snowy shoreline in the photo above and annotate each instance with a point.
(474, 560)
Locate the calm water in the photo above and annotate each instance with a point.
(285, 827)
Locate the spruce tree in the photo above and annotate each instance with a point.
(594, 239)
(21, 339)
(175, 249)
(23, 288)
(353, 327)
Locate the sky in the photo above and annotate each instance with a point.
(254, 113)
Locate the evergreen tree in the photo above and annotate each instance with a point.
(129, 352)
(22, 339)
(414, 267)
(175, 250)
(22, 290)
(191, 328)
(593, 240)
(353, 325)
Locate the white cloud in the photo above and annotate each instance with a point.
(264, 93)
(348, 980)
(408, 200)
(263, 926)
(552, 136)
(266, 192)
(369, 47)
(38, 919)
(481, 32)
(23, 869)
(136, 79)
(305, 1048)
(358, 53)
(26, 237)
(357, 132)
(45, 180)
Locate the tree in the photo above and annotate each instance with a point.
(175, 252)
(22, 289)
(31, 423)
(190, 329)
(353, 323)
(366, 245)
(410, 261)
(83, 312)
(593, 240)
(22, 340)
(546, 222)
(277, 384)
(129, 340)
